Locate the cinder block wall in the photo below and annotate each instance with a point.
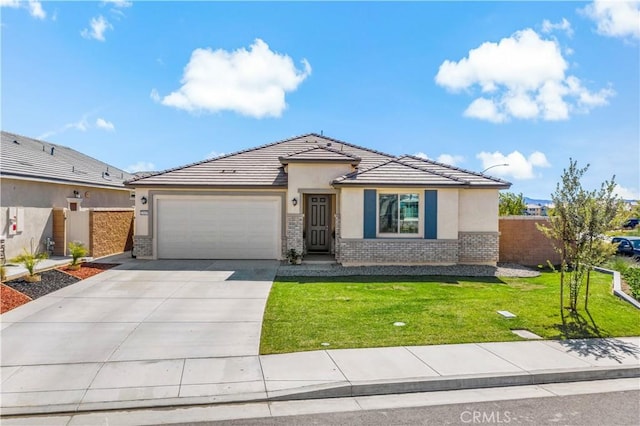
(111, 231)
(521, 241)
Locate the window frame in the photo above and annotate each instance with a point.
(398, 192)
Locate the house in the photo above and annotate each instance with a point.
(316, 194)
(37, 177)
(536, 210)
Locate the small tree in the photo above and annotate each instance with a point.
(77, 250)
(30, 259)
(576, 225)
(511, 204)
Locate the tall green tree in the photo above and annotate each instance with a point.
(511, 204)
(576, 227)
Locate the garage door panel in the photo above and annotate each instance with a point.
(219, 228)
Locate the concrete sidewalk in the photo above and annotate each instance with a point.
(319, 374)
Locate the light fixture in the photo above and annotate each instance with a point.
(143, 200)
(294, 201)
(495, 165)
(76, 194)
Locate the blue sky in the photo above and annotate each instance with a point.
(155, 85)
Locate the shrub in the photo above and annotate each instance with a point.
(632, 277)
(77, 250)
(29, 260)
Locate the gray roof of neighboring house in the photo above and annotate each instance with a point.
(257, 167)
(263, 167)
(321, 154)
(32, 159)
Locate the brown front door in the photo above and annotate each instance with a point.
(318, 229)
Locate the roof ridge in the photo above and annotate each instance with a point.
(324, 148)
(391, 160)
(436, 172)
(351, 145)
(428, 160)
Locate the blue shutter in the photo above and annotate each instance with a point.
(430, 214)
(369, 213)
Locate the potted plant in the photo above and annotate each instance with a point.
(294, 257)
(77, 250)
(29, 259)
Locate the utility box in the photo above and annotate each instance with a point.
(16, 220)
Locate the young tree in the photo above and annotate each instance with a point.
(511, 204)
(576, 225)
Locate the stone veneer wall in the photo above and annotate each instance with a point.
(478, 247)
(295, 227)
(336, 245)
(396, 251)
(110, 231)
(142, 245)
(59, 232)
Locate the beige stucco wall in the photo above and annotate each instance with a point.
(307, 177)
(351, 212)
(24, 193)
(448, 214)
(478, 210)
(37, 226)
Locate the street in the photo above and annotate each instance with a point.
(616, 408)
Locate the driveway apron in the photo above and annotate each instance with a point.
(133, 326)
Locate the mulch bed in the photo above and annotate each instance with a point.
(18, 292)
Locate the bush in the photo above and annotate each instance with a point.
(77, 250)
(29, 260)
(632, 277)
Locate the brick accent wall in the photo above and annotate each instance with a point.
(110, 231)
(478, 247)
(142, 245)
(521, 241)
(59, 232)
(396, 251)
(295, 227)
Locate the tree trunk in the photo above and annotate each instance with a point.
(586, 296)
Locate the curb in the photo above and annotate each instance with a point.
(346, 389)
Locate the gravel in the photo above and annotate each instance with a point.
(335, 270)
(51, 281)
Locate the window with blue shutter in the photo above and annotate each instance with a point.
(430, 214)
(369, 213)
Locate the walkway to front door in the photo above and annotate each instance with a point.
(318, 213)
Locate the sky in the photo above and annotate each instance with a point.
(520, 87)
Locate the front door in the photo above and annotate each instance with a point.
(318, 229)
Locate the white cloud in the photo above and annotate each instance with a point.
(626, 193)
(564, 25)
(518, 166)
(214, 154)
(10, 3)
(33, 6)
(522, 77)
(98, 26)
(101, 123)
(122, 4)
(449, 159)
(615, 18)
(154, 95)
(250, 82)
(36, 10)
(141, 166)
(81, 125)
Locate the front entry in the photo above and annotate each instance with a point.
(318, 229)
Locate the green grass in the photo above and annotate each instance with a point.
(358, 312)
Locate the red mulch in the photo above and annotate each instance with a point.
(11, 298)
(88, 269)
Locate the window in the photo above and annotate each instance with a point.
(398, 213)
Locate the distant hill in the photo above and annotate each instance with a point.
(528, 200)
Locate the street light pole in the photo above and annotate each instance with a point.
(491, 167)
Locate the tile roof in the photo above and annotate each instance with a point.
(321, 154)
(28, 158)
(263, 167)
(410, 171)
(257, 167)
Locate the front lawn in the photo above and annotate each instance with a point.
(359, 312)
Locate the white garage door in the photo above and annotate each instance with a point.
(218, 227)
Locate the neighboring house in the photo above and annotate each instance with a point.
(37, 176)
(319, 195)
(536, 210)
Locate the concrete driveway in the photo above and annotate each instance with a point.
(143, 317)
